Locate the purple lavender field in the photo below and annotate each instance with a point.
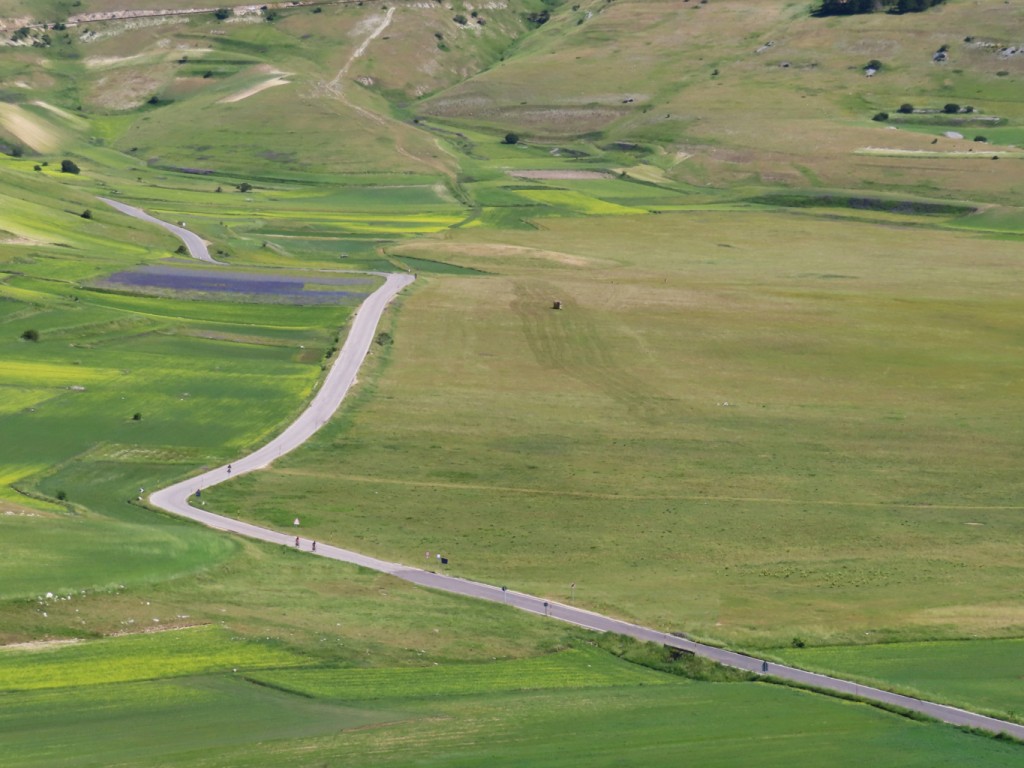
(244, 286)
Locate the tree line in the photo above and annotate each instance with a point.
(851, 7)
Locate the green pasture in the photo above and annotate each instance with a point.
(223, 720)
(188, 697)
(974, 673)
(176, 722)
(720, 433)
(65, 554)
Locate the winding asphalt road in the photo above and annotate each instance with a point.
(175, 500)
(195, 244)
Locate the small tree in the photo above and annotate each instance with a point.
(30, 335)
(244, 187)
(511, 138)
(906, 109)
(137, 416)
(86, 214)
(951, 109)
(69, 166)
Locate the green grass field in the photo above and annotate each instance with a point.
(114, 698)
(724, 437)
(979, 673)
(777, 403)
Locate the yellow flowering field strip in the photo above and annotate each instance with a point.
(193, 651)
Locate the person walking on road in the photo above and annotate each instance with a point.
(314, 547)
(296, 541)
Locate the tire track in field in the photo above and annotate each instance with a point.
(570, 342)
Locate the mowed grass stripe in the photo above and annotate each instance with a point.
(567, 669)
(25, 373)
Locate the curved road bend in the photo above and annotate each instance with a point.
(195, 244)
(175, 499)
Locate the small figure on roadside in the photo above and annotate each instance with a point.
(314, 546)
(229, 469)
(296, 541)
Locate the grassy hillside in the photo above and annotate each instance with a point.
(751, 92)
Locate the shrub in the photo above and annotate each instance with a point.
(881, 117)
(244, 187)
(223, 13)
(982, 139)
(69, 166)
(510, 138)
(30, 335)
(62, 495)
(86, 214)
(951, 109)
(137, 416)
(459, 18)
(383, 339)
(874, 64)
(906, 109)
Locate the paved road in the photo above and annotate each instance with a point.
(195, 244)
(175, 499)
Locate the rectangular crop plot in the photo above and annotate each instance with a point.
(199, 650)
(246, 286)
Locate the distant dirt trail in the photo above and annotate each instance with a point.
(336, 88)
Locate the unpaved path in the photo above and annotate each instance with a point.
(335, 88)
